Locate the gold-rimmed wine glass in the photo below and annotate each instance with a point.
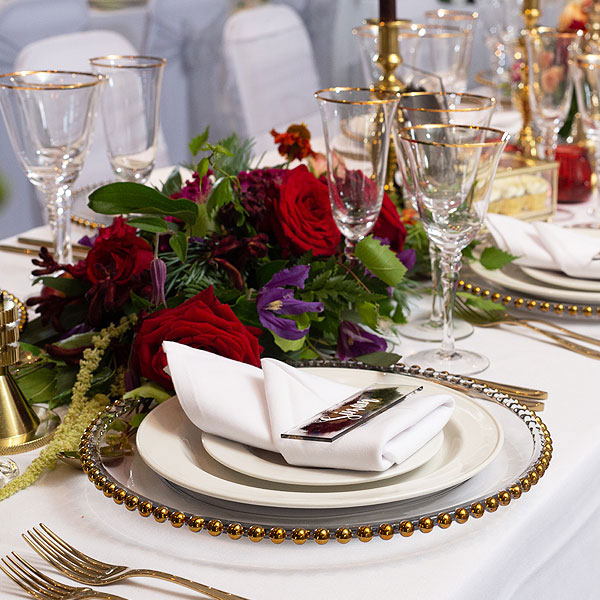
(466, 21)
(130, 103)
(585, 72)
(357, 123)
(453, 168)
(422, 108)
(49, 118)
(550, 87)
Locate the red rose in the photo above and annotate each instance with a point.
(389, 225)
(303, 219)
(200, 322)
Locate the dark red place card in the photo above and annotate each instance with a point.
(356, 410)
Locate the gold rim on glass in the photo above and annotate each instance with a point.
(153, 61)
(50, 86)
(503, 136)
(452, 15)
(587, 61)
(390, 96)
(410, 30)
(490, 99)
(571, 35)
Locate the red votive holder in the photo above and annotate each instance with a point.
(574, 173)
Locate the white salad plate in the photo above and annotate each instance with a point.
(172, 447)
(559, 279)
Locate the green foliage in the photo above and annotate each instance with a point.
(416, 238)
(173, 183)
(380, 260)
(494, 258)
(68, 286)
(479, 302)
(379, 359)
(179, 245)
(198, 143)
(149, 224)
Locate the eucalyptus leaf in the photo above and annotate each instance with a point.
(127, 197)
(380, 260)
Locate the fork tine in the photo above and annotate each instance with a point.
(84, 557)
(19, 581)
(55, 555)
(24, 580)
(40, 578)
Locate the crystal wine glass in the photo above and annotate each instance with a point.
(357, 123)
(466, 21)
(423, 108)
(585, 71)
(130, 103)
(453, 168)
(550, 87)
(48, 116)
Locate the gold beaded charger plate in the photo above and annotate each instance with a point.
(172, 446)
(514, 278)
(271, 466)
(521, 462)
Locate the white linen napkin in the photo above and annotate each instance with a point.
(546, 246)
(254, 406)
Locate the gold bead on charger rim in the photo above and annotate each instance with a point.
(300, 535)
(256, 533)
(145, 508)
(343, 535)
(406, 529)
(515, 491)
(477, 510)
(321, 535)
(364, 533)
(109, 489)
(504, 498)
(161, 514)
(444, 520)
(386, 531)
(119, 496)
(195, 524)
(177, 519)
(426, 524)
(215, 527)
(131, 502)
(461, 515)
(277, 535)
(492, 504)
(235, 531)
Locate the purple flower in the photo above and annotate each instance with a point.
(354, 341)
(88, 241)
(274, 300)
(158, 275)
(408, 257)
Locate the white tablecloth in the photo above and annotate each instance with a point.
(544, 545)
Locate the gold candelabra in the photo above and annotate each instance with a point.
(526, 139)
(18, 423)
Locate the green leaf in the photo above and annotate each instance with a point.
(245, 311)
(380, 359)
(265, 272)
(69, 287)
(179, 245)
(173, 183)
(369, 314)
(150, 224)
(380, 260)
(494, 258)
(220, 195)
(30, 349)
(198, 142)
(200, 227)
(136, 420)
(39, 385)
(148, 390)
(77, 341)
(288, 345)
(479, 302)
(138, 302)
(202, 168)
(128, 197)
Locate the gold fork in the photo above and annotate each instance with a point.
(487, 318)
(41, 586)
(85, 569)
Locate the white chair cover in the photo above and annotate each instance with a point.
(188, 34)
(22, 22)
(72, 51)
(270, 60)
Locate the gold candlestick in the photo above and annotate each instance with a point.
(526, 139)
(18, 423)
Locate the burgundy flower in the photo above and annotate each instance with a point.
(195, 190)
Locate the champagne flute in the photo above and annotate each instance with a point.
(550, 87)
(422, 108)
(453, 168)
(48, 116)
(357, 123)
(130, 104)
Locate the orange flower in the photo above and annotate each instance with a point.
(294, 143)
(574, 16)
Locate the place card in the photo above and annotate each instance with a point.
(356, 410)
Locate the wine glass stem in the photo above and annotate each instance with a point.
(58, 202)
(449, 269)
(436, 309)
(550, 141)
(595, 209)
(349, 248)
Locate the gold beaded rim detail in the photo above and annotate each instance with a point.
(585, 311)
(341, 533)
(86, 191)
(21, 308)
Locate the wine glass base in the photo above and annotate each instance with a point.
(430, 331)
(461, 362)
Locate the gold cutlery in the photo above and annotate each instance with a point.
(84, 569)
(487, 318)
(41, 586)
(516, 391)
(38, 243)
(33, 251)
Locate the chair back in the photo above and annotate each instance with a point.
(270, 60)
(72, 52)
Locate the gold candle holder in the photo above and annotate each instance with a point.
(526, 138)
(18, 423)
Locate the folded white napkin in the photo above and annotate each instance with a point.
(546, 246)
(254, 406)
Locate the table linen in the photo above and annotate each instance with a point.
(543, 545)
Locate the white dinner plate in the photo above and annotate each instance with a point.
(560, 279)
(271, 466)
(171, 446)
(513, 278)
